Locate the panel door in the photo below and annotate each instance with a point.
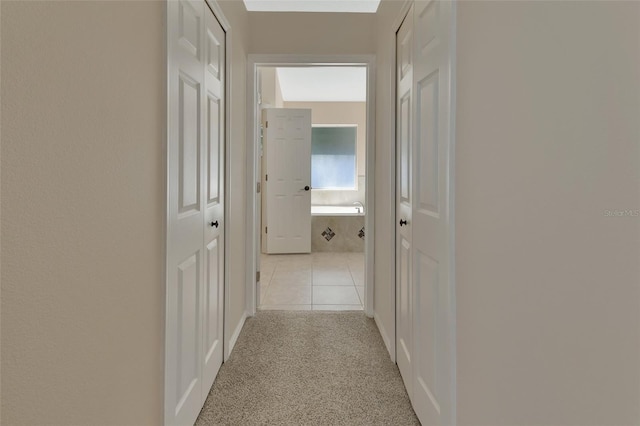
(404, 195)
(185, 215)
(213, 297)
(432, 294)
(195, 192)
(287, 138)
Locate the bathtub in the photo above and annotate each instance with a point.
(337, 211)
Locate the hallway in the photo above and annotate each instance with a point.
(311, 368)
(123, 119)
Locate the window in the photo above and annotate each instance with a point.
(333, 156)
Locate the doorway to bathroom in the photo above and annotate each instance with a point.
(331, 270)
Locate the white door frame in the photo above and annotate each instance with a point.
(253, 232)
(226, 26)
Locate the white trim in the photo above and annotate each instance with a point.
(227, 187)
(236, 332)
(217, 12)
(165, 280)
(252, 241)
(333, 125)
(303, 60)
(396, 26)
(452, 214)
(253, 236)
(385, 336)
(369, 218)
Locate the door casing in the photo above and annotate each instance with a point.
(253, 156)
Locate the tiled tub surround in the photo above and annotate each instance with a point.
(339, 197)
(337, 234)
(346, 228)
(316, 281)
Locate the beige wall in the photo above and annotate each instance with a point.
(384, 267)
(278, 92)
(238, 18)
(547, 140)
(271, 98)
(83, 171)
(83, 191)
(311, 33)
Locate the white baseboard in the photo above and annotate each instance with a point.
(385, 336)
(236, 334)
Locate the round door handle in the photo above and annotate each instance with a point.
(403, 222)
(306, 188)
(214, 224)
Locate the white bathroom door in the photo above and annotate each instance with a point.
(195, 249)
(404, 225)
(433, 312)
(287, 150)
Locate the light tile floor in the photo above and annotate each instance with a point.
(316, 281)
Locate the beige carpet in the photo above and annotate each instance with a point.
(308, 368)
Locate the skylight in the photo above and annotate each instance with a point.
(353, 6)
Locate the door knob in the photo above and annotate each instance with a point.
(215, 224)
(403, 222)
(306, 188)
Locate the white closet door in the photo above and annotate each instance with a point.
(433, 363)
(425, 294)
(195, 249)
(213, 298)
(404, 196)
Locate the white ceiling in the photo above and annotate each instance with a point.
(323, 84)
(361, 6)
